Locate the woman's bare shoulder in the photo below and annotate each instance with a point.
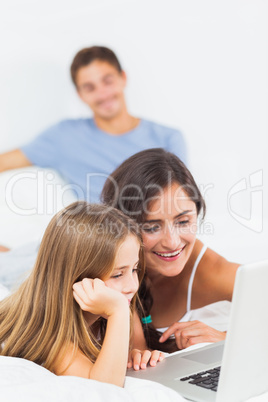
(217, 274)
(218, 262)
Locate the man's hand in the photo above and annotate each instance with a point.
(140, 358)
(4, 249)
(192, 332)
(13, 160)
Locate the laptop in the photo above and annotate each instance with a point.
(232, 370)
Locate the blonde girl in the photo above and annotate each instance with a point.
(72, 314)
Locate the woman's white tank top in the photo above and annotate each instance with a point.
(216, 315)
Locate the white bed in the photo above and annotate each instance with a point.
(24, 381)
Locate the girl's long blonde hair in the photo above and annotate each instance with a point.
(41, 318)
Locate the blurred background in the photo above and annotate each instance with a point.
(199, 66)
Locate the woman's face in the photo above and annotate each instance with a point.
(169, 232)
(124, 277)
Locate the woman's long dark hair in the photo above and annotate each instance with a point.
(132, 187)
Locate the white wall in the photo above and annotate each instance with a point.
(198, 65)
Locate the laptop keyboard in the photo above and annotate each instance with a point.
(206, 379)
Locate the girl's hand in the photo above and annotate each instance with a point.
(94, 296)
(192, 332)
(139, 358)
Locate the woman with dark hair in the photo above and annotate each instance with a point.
(182, 275)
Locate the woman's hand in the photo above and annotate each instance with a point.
(192, 332)
(140, 358)
(94, 296)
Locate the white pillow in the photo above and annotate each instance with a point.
(29, 197)
(25, 381)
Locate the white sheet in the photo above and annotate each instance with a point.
(24, 381)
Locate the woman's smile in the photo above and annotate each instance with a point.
(170, 255)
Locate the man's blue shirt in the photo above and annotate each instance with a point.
(85, 155)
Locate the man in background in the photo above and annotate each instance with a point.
(85, 151)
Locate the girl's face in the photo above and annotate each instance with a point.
(169, 232)
(124, 277)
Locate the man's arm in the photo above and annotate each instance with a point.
(13, 160)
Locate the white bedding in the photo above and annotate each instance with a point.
(24, 381)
